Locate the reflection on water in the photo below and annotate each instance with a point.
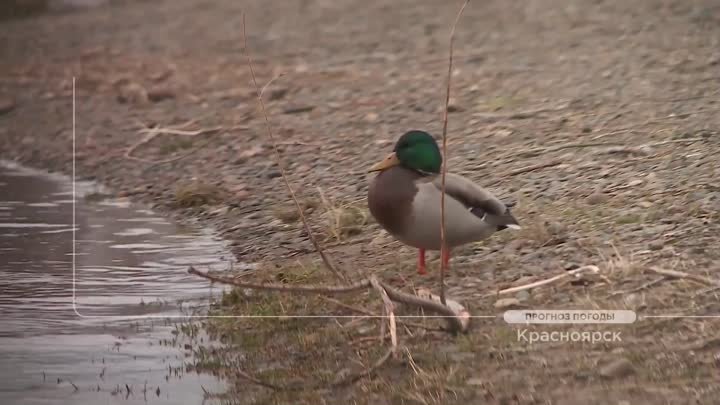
(128, 262)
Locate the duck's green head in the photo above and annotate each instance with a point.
(415, 150)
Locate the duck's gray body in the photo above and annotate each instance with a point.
(407, 204)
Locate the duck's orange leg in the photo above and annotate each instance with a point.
(421, 262)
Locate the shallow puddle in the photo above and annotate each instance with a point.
(85, 327)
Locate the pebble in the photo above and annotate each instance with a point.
(507, 303)
(298, 109)
(597, 197)
(656, 245)
(371, 117)
(475, 381)
(271, 174)
(278, 94)
(619, 368)
(6, 106)
(132, 93)
(635, 301)
(523, 295)
(160, 93)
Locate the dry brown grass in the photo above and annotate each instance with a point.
(198, 193)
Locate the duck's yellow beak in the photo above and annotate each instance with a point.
(389, 161)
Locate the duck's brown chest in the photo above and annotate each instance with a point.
(390, 198)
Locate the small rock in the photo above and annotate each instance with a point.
(461, 357)
(343, 374)
(298, 109)
(475, 381)
(556, 228)
(220, 211)
(453, 106)
(162, 75)
(278, 94)
(656, 245)
(507, 303)
(380, 240)
(132, 93)
(157, 94)
(6, 106)
(251, 152)
(598, 197)
(286, 215)
(697, 195)
(617, 369)
(522, 296)
(635, 301)
(371, 117)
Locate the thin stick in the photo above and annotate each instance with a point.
(340, 276)
(371, 314)
(361, 285)
(443, 248)
(575, 272)
(270, 82)
(389, 311)
(680, 274)
(531, 168)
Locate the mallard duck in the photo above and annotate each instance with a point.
(404, 198)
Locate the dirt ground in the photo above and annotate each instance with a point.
(598, 118)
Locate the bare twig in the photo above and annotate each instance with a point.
(369, 314)
(361, 285)
(556, 148)
(152, 132)
(389, 311)
(644, 286)
(281, 166)
(443, 247)
(520, 115)
(575, 272)
(531, 168)
(270, 82)
(688, 276)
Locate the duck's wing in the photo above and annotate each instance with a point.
(477, 200)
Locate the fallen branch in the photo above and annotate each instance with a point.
(311, 289)
(683, 275)
(389, 312)
(453, 318)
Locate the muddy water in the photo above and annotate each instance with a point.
(86, 336)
